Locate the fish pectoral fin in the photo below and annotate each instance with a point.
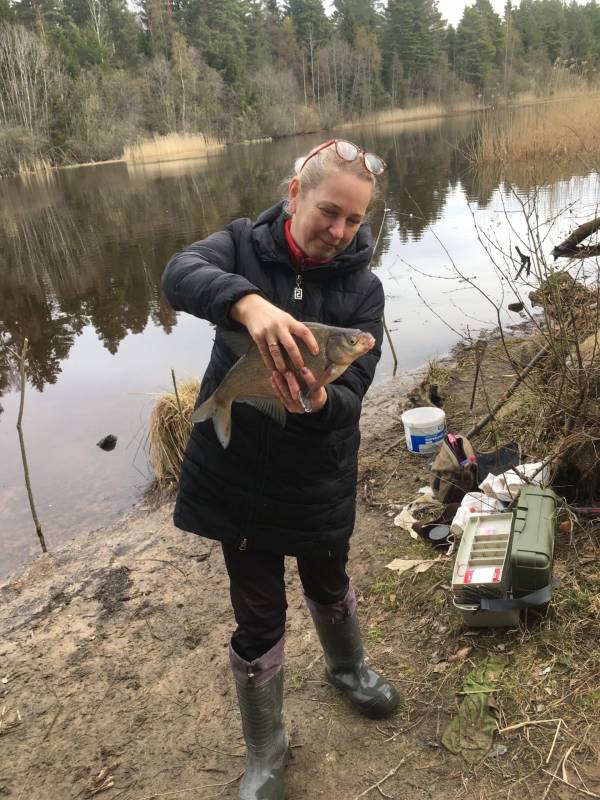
(330, 374)
(238, 342)
(266, 405)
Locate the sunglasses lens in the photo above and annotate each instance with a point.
(374, 164)
(347, 150)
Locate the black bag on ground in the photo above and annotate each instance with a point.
(454, 469)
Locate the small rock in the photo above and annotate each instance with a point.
(107, 443)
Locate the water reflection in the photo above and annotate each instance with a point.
(81, 254)
(87, 246)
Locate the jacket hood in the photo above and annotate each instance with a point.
(269, 240)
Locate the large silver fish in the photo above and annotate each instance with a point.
(249, 381)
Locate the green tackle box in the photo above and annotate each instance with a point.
(532, 545)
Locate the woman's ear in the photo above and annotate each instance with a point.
(293, 190)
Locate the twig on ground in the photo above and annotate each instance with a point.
(313, 661)
(170, 563)
(219, 752)
(190, 789)
(571, 785)
(385, 777)
(527, 723)
(549, 756)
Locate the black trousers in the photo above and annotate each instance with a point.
(258, 598)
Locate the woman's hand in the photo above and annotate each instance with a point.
(295, 398)
(273, 330)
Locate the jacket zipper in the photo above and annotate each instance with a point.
(298, 289)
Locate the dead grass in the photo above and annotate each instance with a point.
(168, 434)
(428, 111)
(558, 131)
(35, 165)
(171, 147)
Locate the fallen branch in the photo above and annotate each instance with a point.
(570, 245)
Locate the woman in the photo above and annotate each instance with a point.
(286, 491)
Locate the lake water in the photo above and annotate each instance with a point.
(82, 251)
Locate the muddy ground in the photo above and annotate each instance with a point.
(114, 679)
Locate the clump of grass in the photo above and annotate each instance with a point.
(530, 134)
(170, 428)
(172, 147)
(374, 634)
(385, 586)
(437, 374)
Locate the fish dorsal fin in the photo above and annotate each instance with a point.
(237, 341)
(266, 405)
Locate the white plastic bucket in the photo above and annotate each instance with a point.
(424, 428)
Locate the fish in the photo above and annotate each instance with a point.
(249, 380)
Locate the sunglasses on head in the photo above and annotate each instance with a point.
(348, 151)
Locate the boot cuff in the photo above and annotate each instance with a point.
(261, 669)
(336, 612)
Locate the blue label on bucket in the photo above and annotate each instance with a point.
(419, 443)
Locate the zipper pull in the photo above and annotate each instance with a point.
(298, 293)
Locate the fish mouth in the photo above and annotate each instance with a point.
(366, 341)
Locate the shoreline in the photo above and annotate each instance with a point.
(145, 504)
(384, 117)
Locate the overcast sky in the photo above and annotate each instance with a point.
(452, 10)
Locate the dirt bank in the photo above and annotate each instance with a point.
(114, 678)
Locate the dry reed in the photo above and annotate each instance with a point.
(556, 131)
(428, 111)
(172, 147)
(169, 432)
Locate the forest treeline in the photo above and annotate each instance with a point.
(80, 79)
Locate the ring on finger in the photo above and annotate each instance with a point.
(305, 403)
(273, 344)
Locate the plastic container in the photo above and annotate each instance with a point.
(424, 428)
(533, 539)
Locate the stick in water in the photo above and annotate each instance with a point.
(20, 357)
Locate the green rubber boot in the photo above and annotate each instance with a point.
(259, 687)
(339, 633)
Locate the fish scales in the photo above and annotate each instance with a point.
(249, 380)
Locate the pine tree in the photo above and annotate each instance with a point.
(413, 36)
(475, 50)
(310, 22)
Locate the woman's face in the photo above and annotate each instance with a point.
(326, 218)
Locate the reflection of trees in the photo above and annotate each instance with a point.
(421, 172)
(87, 247)
(520, 177)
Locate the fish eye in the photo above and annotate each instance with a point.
(353, 340)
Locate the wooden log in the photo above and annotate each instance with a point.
(570, 245)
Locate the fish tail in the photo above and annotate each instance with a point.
(220, 413)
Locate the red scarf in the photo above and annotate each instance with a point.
(299, 259)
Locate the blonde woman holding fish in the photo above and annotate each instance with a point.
(271, 466)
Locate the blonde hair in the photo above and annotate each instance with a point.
(324, 163)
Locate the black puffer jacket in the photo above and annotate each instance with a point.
(288, 490)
